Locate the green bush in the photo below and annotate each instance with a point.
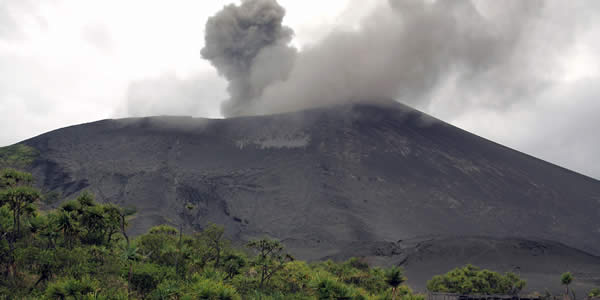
(18, 156)
(210, 289)
(294, 278)
(147, 276)
(328, 288)
(234, 263)
(403, 292)
(473, 280)
(161, 245)
(257, 295)
(168, 289)
(357, 272)
(71, 288)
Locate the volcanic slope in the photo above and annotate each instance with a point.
(348, 180)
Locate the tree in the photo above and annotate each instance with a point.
(6, 246)
(211, 289)
(146, 278)
(112, 217)
(93, 222)
(160, 245)
(394, 278)
(233, 263)
(213, 236)
(130, 255)
(19, 199)
(13, 178)
(328, 288)
(566, 279)
(67, 224)
(124, 214)
(511, 284)
(473, 280)
(594, 293)
(270, 258)
(71, 288)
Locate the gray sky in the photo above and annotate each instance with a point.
(525, 76)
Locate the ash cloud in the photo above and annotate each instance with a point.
(169, 94)
(441, 54)
(409, 50)
(248, 45)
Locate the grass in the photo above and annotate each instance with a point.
(17, 156)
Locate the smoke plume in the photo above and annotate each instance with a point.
(168, 94)
(445, 54)
(249, 47)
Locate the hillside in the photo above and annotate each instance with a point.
(349, 180)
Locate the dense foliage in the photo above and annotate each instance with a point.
(18, 156)
(81, 250)
(472, 280)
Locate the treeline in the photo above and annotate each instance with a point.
(81, 250)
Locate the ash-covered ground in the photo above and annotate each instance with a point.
(382, 181)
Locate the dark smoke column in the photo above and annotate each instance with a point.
(248, 45)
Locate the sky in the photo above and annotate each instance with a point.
(525, 76)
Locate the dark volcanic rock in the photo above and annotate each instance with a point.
(540, 262)
(331, 183)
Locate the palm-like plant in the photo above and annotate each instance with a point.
(394, 278)
(50, 232)
(13, 178)
(92, 221)
(566, 279)
(130, 255)
(19, 200)
(270, 259)
(67, 225)
(56, 291)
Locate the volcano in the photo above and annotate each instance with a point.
(381, 181)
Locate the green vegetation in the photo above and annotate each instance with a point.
(566, 279)
(594, 293)
(17, 156)
(472, 280)
(394, 278)
(81, 250)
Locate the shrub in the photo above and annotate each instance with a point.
(233, 263)
(168, 289)
(212, 290)
(403, 292)
(70, 288)
(328, 288)
(161, 245)
(257, 295)
(146, 277)
(18, 156)
(293, 278)
(472, 280)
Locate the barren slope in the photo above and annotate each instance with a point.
(333, 182)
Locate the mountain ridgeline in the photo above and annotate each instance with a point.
(381, 181)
